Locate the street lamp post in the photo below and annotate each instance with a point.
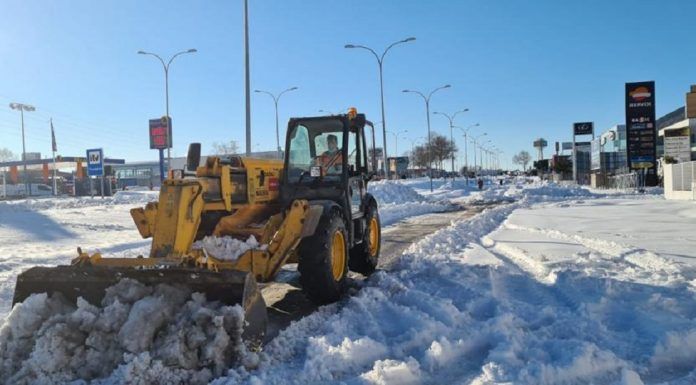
(166, 96)
(427, 112)
(275, 101)
(451, 125)
(24, 107)
(475, 141)
(482, 150)
(396, 140)
(380, 61)
(465, 131)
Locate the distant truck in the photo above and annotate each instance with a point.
(398, 166)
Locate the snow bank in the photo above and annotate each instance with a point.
(386, 191)
(446, 315)
(397, 201)
(226, 248)
(41, 204)
(161, 335)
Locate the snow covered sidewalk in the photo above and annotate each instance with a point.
(535, 292)
(562, 286)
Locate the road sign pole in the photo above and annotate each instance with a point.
(102, 186)
(161, 164)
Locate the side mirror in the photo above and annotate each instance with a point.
(193, 158)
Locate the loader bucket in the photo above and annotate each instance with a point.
(91, 282)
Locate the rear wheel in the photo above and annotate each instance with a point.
(323, 261)
(365, 256)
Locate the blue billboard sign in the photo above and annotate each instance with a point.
(95, 162)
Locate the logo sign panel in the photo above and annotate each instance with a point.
(641, 133)
(583, 128)
(95, 162)
(567, 145)
(160, 134)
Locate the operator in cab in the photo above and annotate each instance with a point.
(332, 159)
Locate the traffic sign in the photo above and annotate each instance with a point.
(95, 162)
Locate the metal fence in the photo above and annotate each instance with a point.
(623, 181)
(683, 176)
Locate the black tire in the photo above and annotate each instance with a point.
(363, 257)
(320, 282)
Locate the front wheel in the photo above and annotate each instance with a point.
(323, 263)
(365, 256)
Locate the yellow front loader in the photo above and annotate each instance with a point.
(186, 210)
(326, 223)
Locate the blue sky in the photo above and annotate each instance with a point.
(525, 69)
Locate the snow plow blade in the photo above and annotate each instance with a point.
(91, 282)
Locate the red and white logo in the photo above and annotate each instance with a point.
(639, 94)
(273, 184)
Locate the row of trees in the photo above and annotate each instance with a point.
(442, 149)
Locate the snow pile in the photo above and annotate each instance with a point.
(161, 335)
(42, 204)
(386, 191)
(459, 310)
(226, 248)
(397, 201)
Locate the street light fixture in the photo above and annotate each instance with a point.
(465, 131)
(21, 108)
(451, 125)
(275, 101)
(396, 139)
(475, 141)
(380, 61)
(166, 93)
(427, 112)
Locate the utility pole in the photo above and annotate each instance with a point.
(380, 61)
(451, 125)
(247, 82)
(165, 66)
(275, 101)
(24, 107)
(427, 112)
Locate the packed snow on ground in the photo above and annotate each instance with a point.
(587, 293)
(555, 285)
(48, 231)
(398, 200)
(226, 248)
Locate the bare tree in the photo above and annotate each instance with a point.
(523, 159)
(222, 148)
(6, 155)
(442, 149)
(419, 156)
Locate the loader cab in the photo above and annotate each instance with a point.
(326, 158)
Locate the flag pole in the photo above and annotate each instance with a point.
(54, 148)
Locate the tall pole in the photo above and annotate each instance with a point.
(166, 66)
(169, 124)
(27, 186)
(451, 125)
(275, 102)
(53, 150)
(380, 61)
(247, 82)
(427, 112)
(24, 107)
